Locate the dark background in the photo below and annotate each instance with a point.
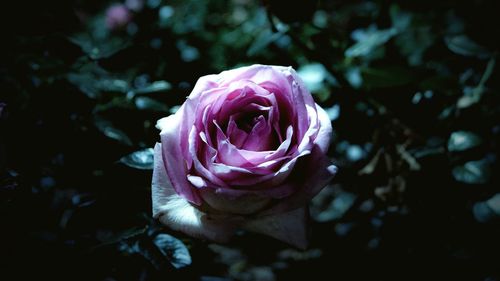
(411, 87)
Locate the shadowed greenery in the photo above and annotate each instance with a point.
(411, 87)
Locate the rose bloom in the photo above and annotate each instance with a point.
(247, 150)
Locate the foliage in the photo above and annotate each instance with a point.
(410, 86)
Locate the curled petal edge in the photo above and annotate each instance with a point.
(178, 214)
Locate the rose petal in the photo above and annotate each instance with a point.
(178, 214)
(236, 136)
(194, 138)
(175, 162)
(325, 130)
(318, 172)
(260, 137)
(203, 84)
(244, 205)
(161, 188)
(256, 73)
(289, 227)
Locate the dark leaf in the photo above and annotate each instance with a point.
(264, 39)
(158, 86)
(463, 140)
(488, 210)
(111, 132)
(369, 39)
(315, 76)
(463, 45)
(173, 249)
(414, 36)
(91, 79)
(142, 159)
(472, 172)
(337, 207)
(145, 103)
(110, 238)
(390, 76)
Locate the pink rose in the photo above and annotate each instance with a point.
(117, 16)
(246, 150)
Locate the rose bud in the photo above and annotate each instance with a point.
(246, 150)
(117, 16)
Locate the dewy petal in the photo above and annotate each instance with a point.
(289, 227)
(174, 160)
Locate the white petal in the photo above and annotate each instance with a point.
(161, 188)
(162, 123)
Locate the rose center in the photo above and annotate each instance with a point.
(248, 120)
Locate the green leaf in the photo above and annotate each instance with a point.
(315, 76)
(415, 34)
(488, 210)
(264, 39)
(110, 131)
(112, 85)
(158, 86)
(472, 172)
(463, 140)
(99, 49)
(145, 103)
(385, 77)
(97, 41)
(337, 207)
(173, 249)
(353, 75)
(368, 40)
(439, 83)
(91, 79)
(142, 159)
(107, 238)
(463, 45)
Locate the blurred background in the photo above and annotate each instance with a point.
(411, 88)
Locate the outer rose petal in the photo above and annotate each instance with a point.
(320, 172)
(316, 178)
(290, 227)
(257, 73)
(244, 205)
(178, 214)
(325, 131)
(173, 157)
(175, 212)
(204, 83)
